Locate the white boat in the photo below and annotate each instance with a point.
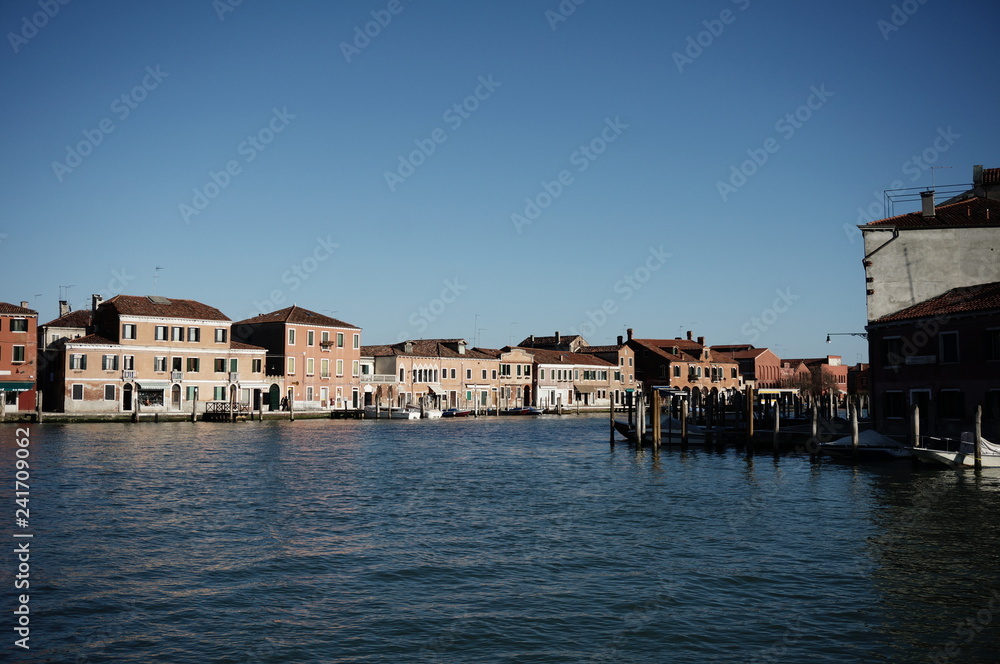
(872, 446)
(965, 457)
(432, 413)
(404, 414)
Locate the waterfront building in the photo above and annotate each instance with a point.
(686, 365)
(759, 368)
(157, 354)
(573, 380)
(515, 380)
(931, 282)
(623, 377)
(571, 342)
(51, 337)
(318, 357)
(437, 373)
(18, 358)
(828, 375)
(942, 355)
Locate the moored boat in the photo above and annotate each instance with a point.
(521, 410)
(456, 412)
(872, 446)
(964, 457)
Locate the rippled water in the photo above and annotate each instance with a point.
(510, 540)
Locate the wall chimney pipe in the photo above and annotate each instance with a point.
(927, 201)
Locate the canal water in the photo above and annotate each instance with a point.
(487, 540)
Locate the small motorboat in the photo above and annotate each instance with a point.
(670, 431)
(456, 412)
(964, 457)
(872, 446)
(521, 410)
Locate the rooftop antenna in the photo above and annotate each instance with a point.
(156, 274)
(67, 294)
(510, 333)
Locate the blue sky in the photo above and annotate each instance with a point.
(484, 170)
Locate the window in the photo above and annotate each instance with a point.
(949, 347)
(234, 364)
(77, 392)
(109, 362)
(78, 361)
(310, 368)
(892, 352)
(220, 335)
(18, 355)
(19, 325)
(192, 392)
(951, 404)
(576, 374)
(161, 332)
(159, 364)
(128, 362)
(677, 371)
(324, 368)
(177, 334)
(893, 405)
(402, 375)
(128, 331)
(340, 367)
(220, 365)
(256, 365)
(630, 361)
(454, 373)
(355, 368)
(340, 339)
(527, 370)
(193, 364)
(494, 374)
(219, 393)
(991, 345)
(109, 393)
(357, 340)
(310, 338)
(291, 366)
(176, 363)
(468, 376)
(291, 337)
(194, 334)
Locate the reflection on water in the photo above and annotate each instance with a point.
(493, 541)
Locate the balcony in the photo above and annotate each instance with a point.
(128, 374)
(378, 378)
(176, 376)
(234, 376)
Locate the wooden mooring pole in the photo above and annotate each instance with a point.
(915, 426)
(749, 416)
(655, 419)
(684, 423)
(611, 421)
(776, 411)
(853, 415)
(979, 438)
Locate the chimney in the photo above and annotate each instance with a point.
(24, 304)
(927, 201)
(689, 335)
(701, 341)
(531, 340)
(63, 308)
(95, 301)
(629, 333)
(558, 337)
(408, 347)
(619, 340)
(977, 175)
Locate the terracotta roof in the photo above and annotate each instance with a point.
(957, 300)
(599, 349)
(142, 305)
(94, 339)
(298, 315)
(742, 354)
(991, 176)
(426, 348)
(688, 351)
(549, 341)
(565, 357)
(7, 308)
(239, 345)
(975, 211)
(79, 318)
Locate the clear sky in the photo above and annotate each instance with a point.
(484, 170)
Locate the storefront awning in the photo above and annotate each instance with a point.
(584, 389)
(434, 389)
(153, 385)
(16, 385)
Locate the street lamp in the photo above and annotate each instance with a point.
(863, 335)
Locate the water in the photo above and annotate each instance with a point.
(510, 540)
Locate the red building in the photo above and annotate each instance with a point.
(18, 357)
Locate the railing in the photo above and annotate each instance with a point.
(128, 374)
(378, 378)
(234, 376)
(176, 376)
